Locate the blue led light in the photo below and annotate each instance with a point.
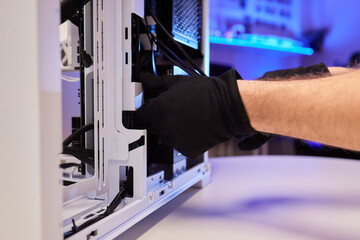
(265, 42)
(314, 145)
(138, 100)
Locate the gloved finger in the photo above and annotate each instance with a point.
(254, 141)
(141, 118)
(317, 69)
(230, 74)
(154, 86)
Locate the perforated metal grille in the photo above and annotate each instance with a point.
(187, 19)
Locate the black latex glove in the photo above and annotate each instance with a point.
(313, 71)
(193, 114)
(319, 70)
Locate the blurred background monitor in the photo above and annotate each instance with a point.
(257, 36)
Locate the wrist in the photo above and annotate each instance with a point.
(249, 91)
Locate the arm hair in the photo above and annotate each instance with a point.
(325, 110)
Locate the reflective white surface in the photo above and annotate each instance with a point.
(264, 197)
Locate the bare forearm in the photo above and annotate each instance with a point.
(326, 110)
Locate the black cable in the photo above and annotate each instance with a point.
(75, 229)
(109, 210)
(72, 10)
(153, 63)
(84, 155)
(172, 39)
(69, 165)
(178, 61)
(116, 201)
(177, 64)
(78, 133)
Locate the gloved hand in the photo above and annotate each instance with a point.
(193, 114)
(256, 140)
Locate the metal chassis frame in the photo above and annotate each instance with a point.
(113, 93)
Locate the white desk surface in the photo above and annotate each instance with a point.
(264, 197)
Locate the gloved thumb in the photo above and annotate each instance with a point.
(254, 141)
(141, 118)
(144, 115)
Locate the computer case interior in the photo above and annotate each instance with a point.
(115, 175)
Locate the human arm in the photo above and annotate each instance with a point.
(326, 110)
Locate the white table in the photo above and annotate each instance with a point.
(264, 197)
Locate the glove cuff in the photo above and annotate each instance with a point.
(239, 117)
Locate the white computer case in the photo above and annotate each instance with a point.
(110, 80)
